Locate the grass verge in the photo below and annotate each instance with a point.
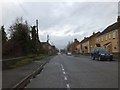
(24, 61)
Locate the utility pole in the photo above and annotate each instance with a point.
(48, 39)
(37, 30)
(37, 37)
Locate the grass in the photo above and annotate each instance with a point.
(21, 63)
(25, 61)
(39, 57)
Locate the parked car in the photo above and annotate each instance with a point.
(101, 54)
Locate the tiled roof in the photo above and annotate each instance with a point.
(87, 38)
(109, 28)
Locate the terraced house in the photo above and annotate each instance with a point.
(88, 43)
(109, 39)
(73, 47)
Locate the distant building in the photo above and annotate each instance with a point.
(110, 37)
(78, 49)
(73, 46)
(48, 48)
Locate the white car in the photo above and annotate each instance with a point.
(69, 53)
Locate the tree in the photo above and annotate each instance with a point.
(4, 35)
(34, 41)
(4, 41)
(20, 36)
(68, 46)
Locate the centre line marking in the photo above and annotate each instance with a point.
(64, 73)
(62, 66)
(31, 80)
(63, 69)
(68, 86)
(65, 78)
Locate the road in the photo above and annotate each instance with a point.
(76, 72)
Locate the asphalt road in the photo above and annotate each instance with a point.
(76, 72)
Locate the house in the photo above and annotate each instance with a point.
(118, 20)
(88, 43)
(73, 47)
(109, 38)
(84, 45)
(78, 48)
(54, 49)
(48, 48)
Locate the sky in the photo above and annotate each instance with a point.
(62, 20)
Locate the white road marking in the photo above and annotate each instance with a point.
(68, 86)
(65, 77)
(38, 75)
(64, 73)
(62, 66)
(31, 80)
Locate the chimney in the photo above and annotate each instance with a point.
(93, 33)
(37, 25)
(47, 38)
(118, 20)
(75, 40)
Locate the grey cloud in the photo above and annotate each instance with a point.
(82, 18)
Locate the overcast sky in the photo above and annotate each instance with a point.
(63, 21)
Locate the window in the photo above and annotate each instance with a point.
(114, 35)
(115, 47)
(97, 40)
(109, 36)
(101, 38)
(106, 37)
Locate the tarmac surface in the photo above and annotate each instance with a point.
(77, 72)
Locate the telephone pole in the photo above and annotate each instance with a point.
(48, 39)
(37, 37)
(37, 30)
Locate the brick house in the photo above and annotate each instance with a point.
(109, 38)
(73, 47)
(88, 43)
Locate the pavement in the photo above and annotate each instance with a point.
(76, 72)
(11, 77)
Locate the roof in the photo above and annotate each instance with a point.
(44, 43)
(87, 38)
(109, 29)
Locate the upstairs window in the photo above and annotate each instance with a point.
(101, 38)
(114, 35)
(109, 36)
(106, 37)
